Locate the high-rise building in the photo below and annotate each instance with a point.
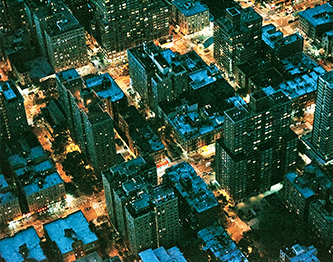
(126, 24)
(322, 133)
(88, 118)
(13, 119)
(237, 37)
(144, 214)
(152, 219)
(60, 36)
(258, 147)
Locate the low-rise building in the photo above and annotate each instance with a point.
(41, 191)
(314, 22)
(23, 246)
(35, 174)
(162, 255)
(197, 120)
(9, 202)
(299, 253)
(72, 235)
(279, 46)
(216, 241)
(197, 204)
(190, 16)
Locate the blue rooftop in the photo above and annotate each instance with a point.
(6, 88)
(3, 182)
(10, 247)
(189, 7)
(300, 185)
(43, 183)
(161, 255)
(80, 228)
(105, 87)
(199, 196)
(319, 15)
(67, 75)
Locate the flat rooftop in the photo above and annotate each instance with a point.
(190, 7)
(201, 78)
(10, 247)
(105, 87)
(68, 75)
(328, 77)
(77, 227)
(219, 243)
(9, 91)
(199, 196)
(41, 183)
(162, 255)
(318, 15)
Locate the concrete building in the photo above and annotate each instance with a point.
(237, 38)
(9, 203)
(140, 210)
(3, 18)
(257, 148)
(60, 36)
(154, 74)
(297, 195)
(124, 25)
(299, 253)
(139, 136)
(13, 119)
(160, 255)
(299, 191)
(42, 191)
(197, 118)
(23, 246)
(197, 204)
(320, 220)
(72, 236)
(314, 22)
(322, 132)
(113, 98)
(152, 219)
(328, 43)
(87, 112)
(121, 173)
(189, 15)
(35, 175)
(218, 244)
(279, 46)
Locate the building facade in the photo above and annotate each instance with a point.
(13, 119)
(257, 148)
(152, 220)
(189, 15)
(322, 132)
(60, 36)
(124, 25)
(237, 38)
(9, 203)
(313, 23)
(86, 106)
